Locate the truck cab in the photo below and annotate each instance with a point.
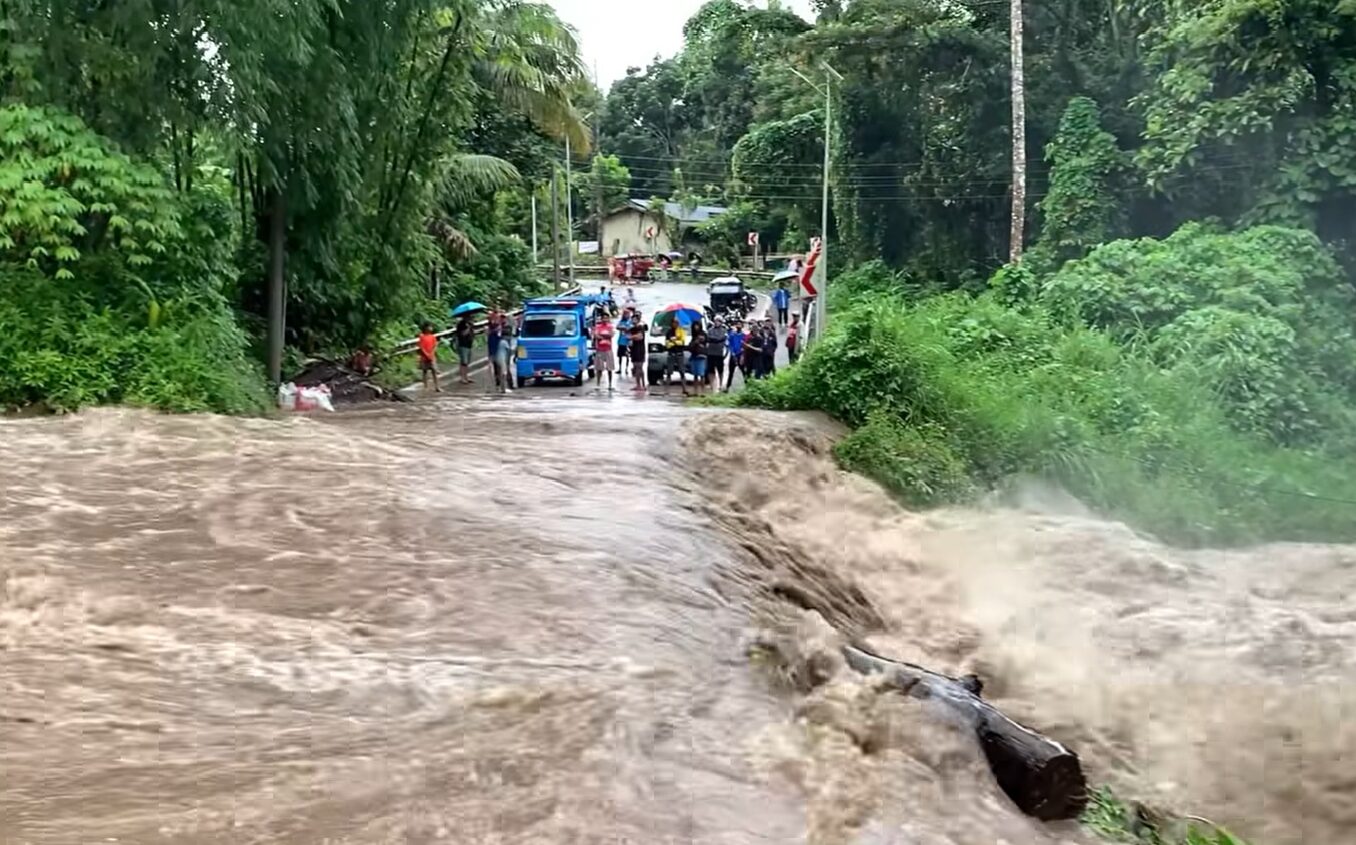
(553, 341)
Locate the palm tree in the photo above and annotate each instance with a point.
(528, 60)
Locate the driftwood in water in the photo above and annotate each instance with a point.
(1043, 778)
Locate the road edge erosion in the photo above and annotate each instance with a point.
(823, 621)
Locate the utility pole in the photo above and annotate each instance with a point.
(822, 268)
(569, 211)
(536, 256)
(822, 317)
(555, 228)
(1018, 138)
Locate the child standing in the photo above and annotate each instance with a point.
(428, 356)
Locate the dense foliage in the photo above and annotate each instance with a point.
(1140, 117)
(1202, 404)
(358, 144)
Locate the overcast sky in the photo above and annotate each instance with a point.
(617, 34)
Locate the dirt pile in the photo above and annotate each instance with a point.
(1212, 682)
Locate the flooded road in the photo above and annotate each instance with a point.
(476, 622)
(530, 619)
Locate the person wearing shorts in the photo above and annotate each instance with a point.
(697, 357)
(624, 342)
(638, 334)
(605, 355)
(428, 356)
(675, 342)
(717, 340)
(465, 340)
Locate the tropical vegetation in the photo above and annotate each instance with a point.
(174, 174)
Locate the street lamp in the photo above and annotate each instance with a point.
(830, 75)
(569, 201)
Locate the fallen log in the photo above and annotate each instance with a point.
(347, 387)
(1042, 777)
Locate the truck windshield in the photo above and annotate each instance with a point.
(550, 325)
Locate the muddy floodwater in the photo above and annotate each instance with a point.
(531, 621)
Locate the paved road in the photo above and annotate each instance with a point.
(649, 298)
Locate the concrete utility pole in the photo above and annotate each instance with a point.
(822, 268)
(569, 211)
(569, 201)
(555, 228)
(536, 256)
(1018, 138)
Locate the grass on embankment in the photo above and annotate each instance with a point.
(956, 395)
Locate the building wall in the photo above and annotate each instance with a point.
(624, 232)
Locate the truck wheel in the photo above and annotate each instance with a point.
(579, 379)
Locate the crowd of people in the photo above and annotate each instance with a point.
(705, 356)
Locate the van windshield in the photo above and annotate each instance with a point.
(550, 325)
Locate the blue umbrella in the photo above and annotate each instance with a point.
(467, 308)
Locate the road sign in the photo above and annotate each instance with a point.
(649, 233)
(753, 239)
(806, 274)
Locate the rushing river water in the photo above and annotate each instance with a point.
(527, 621)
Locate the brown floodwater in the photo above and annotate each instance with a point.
(529, 621)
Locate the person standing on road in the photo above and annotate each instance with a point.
(604, 355)
(769, 350)
(639, 331)
(494, 346)
(624, 341)
(793, 339)
(510, 348)
(753, 352)
(428, 356)
(716, 341)
(675, 342)
(465, 339)
(736, 343)
(697, 350)
(781, 300)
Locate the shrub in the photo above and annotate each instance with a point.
(64, 345)
(956, 393)
(1264, 316)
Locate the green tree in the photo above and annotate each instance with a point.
(605, 186)
(1083, 207)
(1252, 110)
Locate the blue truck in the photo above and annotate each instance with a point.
(554, 339)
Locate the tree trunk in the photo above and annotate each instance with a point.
(1018, 233)
(277, 282)
(1043, 778)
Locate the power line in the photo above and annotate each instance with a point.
(639, 194)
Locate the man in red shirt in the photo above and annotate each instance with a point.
(604, 348)
(428, 356)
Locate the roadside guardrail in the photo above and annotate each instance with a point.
(405, 347)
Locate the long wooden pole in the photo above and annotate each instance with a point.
(1018, 233)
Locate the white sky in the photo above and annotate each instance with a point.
(617, 34)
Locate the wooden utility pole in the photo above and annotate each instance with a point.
(555, 228)
(1018, 138)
